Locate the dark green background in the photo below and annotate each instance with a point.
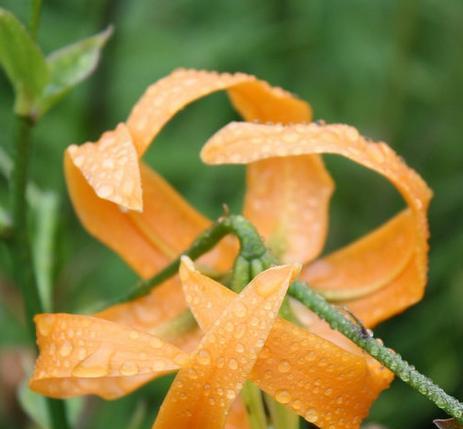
(394, 69)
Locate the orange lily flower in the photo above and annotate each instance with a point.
(243, 339)
(131, 209)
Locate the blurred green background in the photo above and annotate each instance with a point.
(394, 69)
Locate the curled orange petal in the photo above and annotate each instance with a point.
(205, 388)
(287, 199)
(370, 266)
(247, 143)
(254, 100)
(328, 385)
(111, 168)
(81, 355)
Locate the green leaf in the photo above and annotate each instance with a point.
(45, 209)
(23, 62)
(70, 65)
(35, 406)
(447, 424)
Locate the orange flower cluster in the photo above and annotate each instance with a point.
(313, 370)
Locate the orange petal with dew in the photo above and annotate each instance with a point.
(359, 271)
(254, 99)
(147, 246)
(328, 385)
(81, 355)
(287, 199)
(205, 388)
(238, 417)
(111, 168)
(247, 143)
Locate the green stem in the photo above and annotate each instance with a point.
(389, 358)
(252, 398)
(21, 249)
(251, 247)
(35, 18)
(6, 227)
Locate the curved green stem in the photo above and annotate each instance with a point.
(21, 249)
(389, 358)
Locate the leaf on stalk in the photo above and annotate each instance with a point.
(70, 65)
(22, 61)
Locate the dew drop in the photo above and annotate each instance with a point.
(129, 368)
(283, 396)
(284, 366)
(158, 365)
(239, 348)
(231, 394)
(232, 364)
(65, 349)
(241, 310)
(204, 358)
(265, 289)
(311, 416)
(133, 335)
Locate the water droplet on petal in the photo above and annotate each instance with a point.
(311, 416)
(231, 394)
(283, 396)
(241, 310)
(65, 349)
(129, 368)
(284, 366)
(232, 364)
(204, 358)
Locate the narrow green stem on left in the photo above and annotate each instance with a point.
(21, 248)
(35, 18)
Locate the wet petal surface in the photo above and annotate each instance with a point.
(204, 390)
(82, 355)
(322, 382)
(247, 143)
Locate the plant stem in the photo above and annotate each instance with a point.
(21, 249)
(389, 358)
(35, 18)
(251, 247)
(252, 399)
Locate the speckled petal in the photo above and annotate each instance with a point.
(254, 99)
(205, 388)
(147, 246)
(356, 272)
(110, 166)
(329, 385)
(287, 199)
(81, 355)
(246, 143)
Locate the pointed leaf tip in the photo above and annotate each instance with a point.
(70, 65)
(22, 61)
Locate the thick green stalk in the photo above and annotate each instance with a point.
(21, 249)
(389, 358)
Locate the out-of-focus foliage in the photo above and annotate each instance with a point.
(394, 69)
